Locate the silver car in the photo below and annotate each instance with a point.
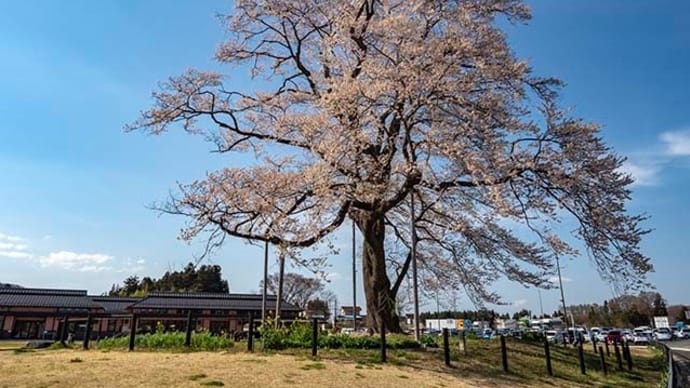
(663, 334)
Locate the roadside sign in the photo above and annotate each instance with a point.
(687, 314)
(661, 322)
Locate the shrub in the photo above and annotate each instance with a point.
(428, 341)
(532, 336)
(169, 340)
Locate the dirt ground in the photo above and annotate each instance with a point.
(73, 368)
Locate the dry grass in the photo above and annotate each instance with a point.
(334, 368)
(54, 368)
(9, 345)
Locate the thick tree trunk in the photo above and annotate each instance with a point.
(377, 287)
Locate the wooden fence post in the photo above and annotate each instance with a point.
(383, 341)
(87, 332)
(602, 360)
(132, 332)
(630, 363)
(464, 342)
(547, 353)
(446, 348)
(608, 353)
(618, 356)
(504, 353)
(594, 344)
(581, 356)
(314, 337)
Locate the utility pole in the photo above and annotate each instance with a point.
(541, 305)
(560, 285)
(281, 273)
(413, 253)
(263, 293)
(354, 278)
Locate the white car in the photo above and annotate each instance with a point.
(663, 334)
(554, 336)
(627, 335)
(681, 333)
(601, 336)
(641, 336)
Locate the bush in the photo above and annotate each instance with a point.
(170, 340)
(428, 341)
(532, 336)
(300, 333)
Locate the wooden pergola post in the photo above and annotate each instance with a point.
(63, 331)
(87, 332)
(188, 336)
(132, 332)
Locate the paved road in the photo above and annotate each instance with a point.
(681, 357)
(681, 348)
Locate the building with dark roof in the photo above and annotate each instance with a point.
(41, 313)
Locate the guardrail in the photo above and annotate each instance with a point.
(674, 378)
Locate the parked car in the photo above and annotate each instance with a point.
(579, 334)
(554, 336)
(627, 335)
(601, 336)
(614, 336)
(641, 336)
(662, 334)
(681, 333)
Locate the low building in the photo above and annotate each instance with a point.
(346, 311)
(33, 313)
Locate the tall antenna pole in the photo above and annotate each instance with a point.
(354, 278)
(413, 253)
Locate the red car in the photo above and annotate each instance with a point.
(614, 336)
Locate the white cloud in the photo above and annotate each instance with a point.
(85, 262)
(332, 276)
(13, 246)
(95, 268)
(643, 174)
(7, 237)
(520, 302)
(131, 266)
(677, 142)
(15, 254)
(565, 279)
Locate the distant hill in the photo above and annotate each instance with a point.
(9, 285)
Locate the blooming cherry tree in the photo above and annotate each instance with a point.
(363, 104)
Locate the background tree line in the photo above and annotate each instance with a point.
(204, 278)
(627, 311)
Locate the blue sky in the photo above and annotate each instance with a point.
(74, 188)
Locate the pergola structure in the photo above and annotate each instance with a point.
(36, 313)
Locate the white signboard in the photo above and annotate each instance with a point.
(687, 314)
(661, 322)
